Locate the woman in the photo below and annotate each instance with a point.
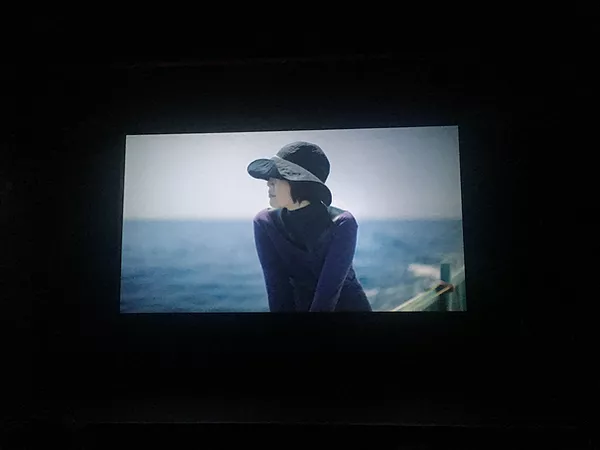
(305, 246)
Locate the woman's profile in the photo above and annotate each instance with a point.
(305, 246)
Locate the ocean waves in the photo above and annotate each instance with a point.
(213, 267)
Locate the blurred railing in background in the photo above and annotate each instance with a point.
(448, 295)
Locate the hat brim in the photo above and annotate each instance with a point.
(276, 167)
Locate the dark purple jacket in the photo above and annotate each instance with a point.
(319, 280)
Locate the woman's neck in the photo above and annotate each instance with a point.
(296, 206)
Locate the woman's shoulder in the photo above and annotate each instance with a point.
(266, 215)
(339, 216)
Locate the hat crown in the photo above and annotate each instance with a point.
(308, 155)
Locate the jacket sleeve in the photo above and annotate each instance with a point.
(279, 289)
(336, 266)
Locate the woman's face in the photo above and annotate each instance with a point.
(279, 193)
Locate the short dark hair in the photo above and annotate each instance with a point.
(305, 190)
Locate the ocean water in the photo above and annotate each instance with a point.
(212, 266)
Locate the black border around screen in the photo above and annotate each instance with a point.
(83, 153)
(345, 95)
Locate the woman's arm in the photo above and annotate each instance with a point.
(336, 266)
(279, 289)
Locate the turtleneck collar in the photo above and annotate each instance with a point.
(308, 209)
(306, 224)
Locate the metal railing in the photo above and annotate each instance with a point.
(449, 295)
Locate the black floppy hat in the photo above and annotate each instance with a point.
(299, 162)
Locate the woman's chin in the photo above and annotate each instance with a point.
(273, 202)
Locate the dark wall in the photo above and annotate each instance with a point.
(65, 169)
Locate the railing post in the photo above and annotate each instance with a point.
(462, 298)
(456, 298)
(445, 276)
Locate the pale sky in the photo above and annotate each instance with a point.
(381, 173)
